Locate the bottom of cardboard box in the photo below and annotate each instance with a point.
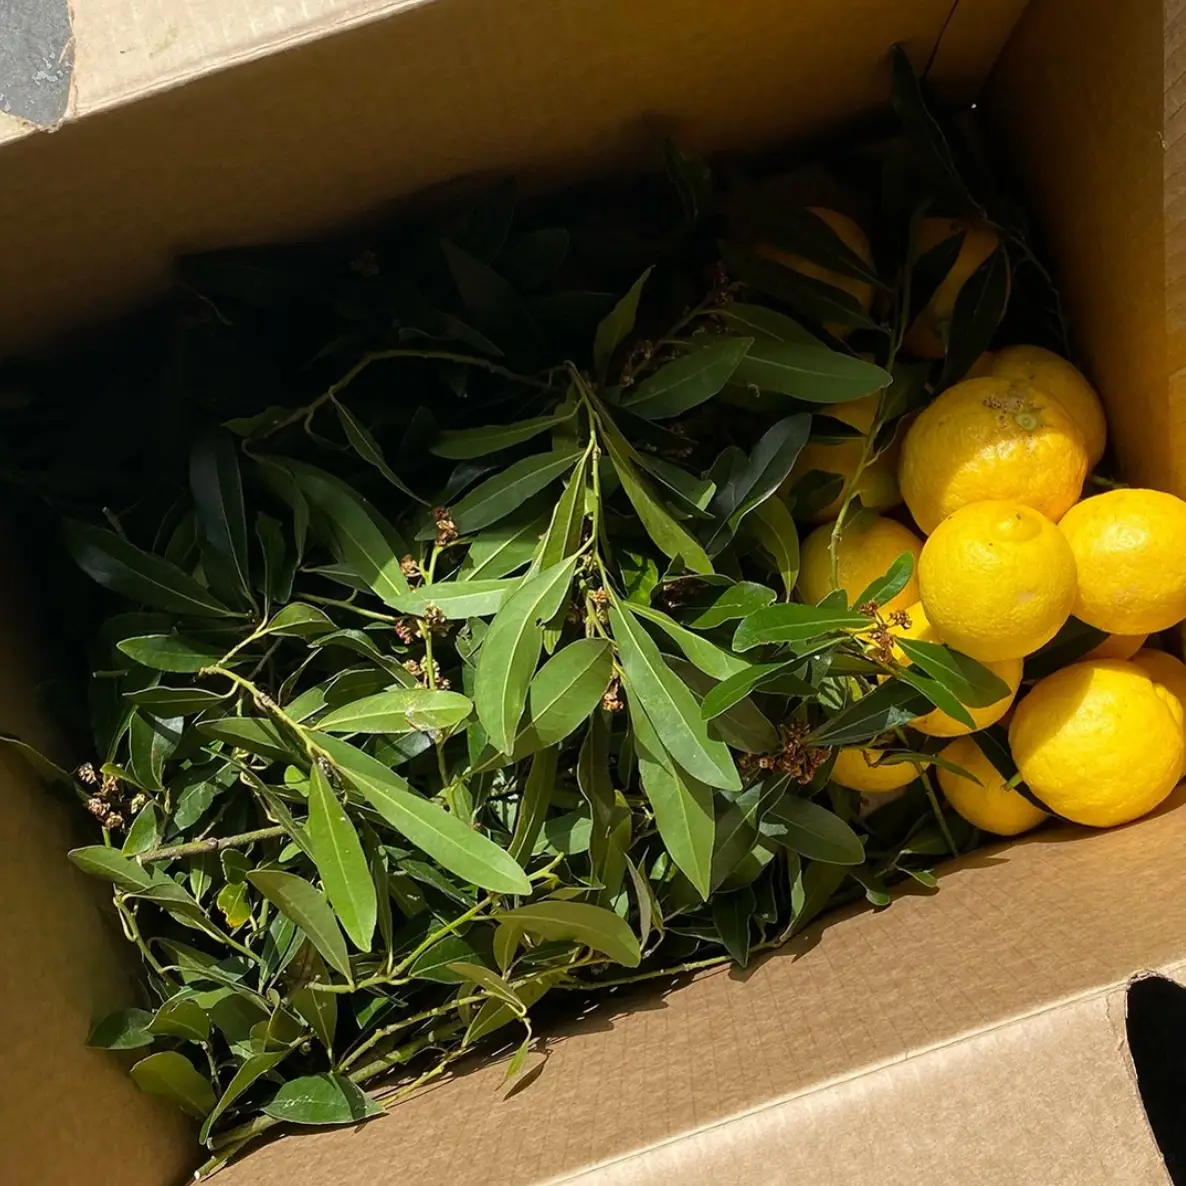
(973, 1035)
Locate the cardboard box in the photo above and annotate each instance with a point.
(973, 1036)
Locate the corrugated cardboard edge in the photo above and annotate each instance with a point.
(352, 116)
(130, 51)
(982, 1025)
(127, 52)
(891, 1100)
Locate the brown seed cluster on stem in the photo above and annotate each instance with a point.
(795, 758)
(108, 802)
(446, 529)
(612, 700)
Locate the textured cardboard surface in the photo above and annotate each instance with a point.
(67, 1113)
(1095, 130)
(972, 1035)
(341, 119)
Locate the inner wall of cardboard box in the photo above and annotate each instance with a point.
(1076, 105)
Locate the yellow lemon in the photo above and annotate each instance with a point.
(990, 805)
(860, 769)
(997, 580)
(1165, 670)
(1099, 743)
(878, 484)
(991, 438)
(1064, 382)
(928, 334)
(1118, 646)
(1129, 548)
(937, 723)
(868, 546)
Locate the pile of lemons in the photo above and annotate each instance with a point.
(992, 474)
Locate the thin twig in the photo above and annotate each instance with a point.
(214, 844)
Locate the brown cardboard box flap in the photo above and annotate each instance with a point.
(262, 145)
(974, 1035)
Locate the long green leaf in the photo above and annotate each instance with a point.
(682, 805)
(568, 687)
(363, 443)
(818, 301)
(705, 655)
(174, 701)
(534, 803)
(938, 694)
(669, 705)
(125, 1030)
(459, 849)
(617, 325)
(815, 832)
(464, 444)
(140, 576)
(887, 587)
(357, 533)
(341, 862)
(714, 605)
(171, 1075)
(794, 623)
(403, 710)
(509, 489)
(322, 1099)
(812, 373)
(751, 483)
(306, 905)
(669, 536)
(256, 734)
(507, 545)
(564, 528)
(591, 926)
(970, 682)
(978, 310)
(508, 657)
(252, 1068)
(170, 652)
(742, 725)
(772, 525)
(735, 689)
(687, 382)
(494, 984)
(218, 499)
(765, 324)
(894, 703)
(458, 600)
(100, 861)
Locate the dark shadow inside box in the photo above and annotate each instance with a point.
(1157, 1040)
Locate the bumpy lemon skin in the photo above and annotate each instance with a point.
(878, 483)
(991, 805)
(991, 438)
(926, 337)
(1130, 552)
(996, 580)
(1099, 742)
(937, 723)
(1164, 669)
(855, 239)
(866, 550)
(859, 770)
(1064, 382)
